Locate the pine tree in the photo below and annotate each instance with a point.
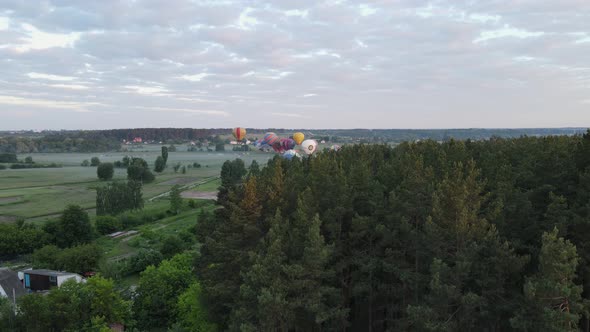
(552, 299)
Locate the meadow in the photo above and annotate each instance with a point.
(36, 194)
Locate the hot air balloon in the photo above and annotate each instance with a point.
(298, 137)
(270, 139)
(287, 143)
(309, 146)
(239, 133)
(289, 154)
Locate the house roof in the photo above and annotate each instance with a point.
(9, 281)
(50, 273)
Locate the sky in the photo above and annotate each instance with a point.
(70, 64)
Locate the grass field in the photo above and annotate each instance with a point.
(125, 247)
(36, 193)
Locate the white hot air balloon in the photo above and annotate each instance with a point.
(309, 146)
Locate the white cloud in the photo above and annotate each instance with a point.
(183, 110)
(69, 86)
(4, 23)
(366, 10)
(38, 40)
(50, 77)
(507, 32)
(195, 78)
(147, 90)
(45, 103)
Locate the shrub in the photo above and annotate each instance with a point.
(107, 224)
(105, 171)
(94, 161)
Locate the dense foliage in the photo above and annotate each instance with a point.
(453, 236)
(117, 197)
(105, 171)
(71, 141)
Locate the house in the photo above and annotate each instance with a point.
(38, 280)
(10, 285)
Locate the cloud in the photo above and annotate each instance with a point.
(44, 103)
(351, 63)
(50, 77)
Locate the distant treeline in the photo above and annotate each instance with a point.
(109, 140)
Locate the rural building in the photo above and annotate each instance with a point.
(10, 285)
(39, 280)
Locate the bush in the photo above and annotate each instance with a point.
(85, 163)
(171, 246)
(8, 158)
(196, 165)
(107, 224)
(105, 171)
(94, 161)
(29, 160)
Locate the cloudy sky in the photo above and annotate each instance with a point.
(67, 64)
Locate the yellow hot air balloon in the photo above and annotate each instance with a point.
(298, 138)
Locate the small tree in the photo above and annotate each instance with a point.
(165, 154)
(85, 163)
(29, 160)
(176, 168)
(94, 161)
(183, 170)
(105, 171)
(160, 164)
(172, 148)
(175, 199)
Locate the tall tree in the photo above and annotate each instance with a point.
(552, 299)
(74, 227)
(175, 199)
(160, 164)
(165, 154)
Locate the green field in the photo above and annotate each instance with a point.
(35, 194)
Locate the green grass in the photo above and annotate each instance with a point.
(47, 191)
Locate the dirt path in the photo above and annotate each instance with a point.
(199, 194)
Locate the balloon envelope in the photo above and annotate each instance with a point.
(309, 146)
(239, 133)
(298, 137)
(289, 154)
(287, 143)
(270, 138)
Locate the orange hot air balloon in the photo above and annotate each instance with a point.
(239, 133)
(298, 138)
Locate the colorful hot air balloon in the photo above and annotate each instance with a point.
(309, 146)
(270, 139)
(289, 154)
(298, 137)
(239, 133)
(287, 143)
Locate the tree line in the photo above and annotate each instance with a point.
(454, 236)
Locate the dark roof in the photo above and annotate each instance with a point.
(9, 281)
(48, 273)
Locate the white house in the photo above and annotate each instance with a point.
(38, 280)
